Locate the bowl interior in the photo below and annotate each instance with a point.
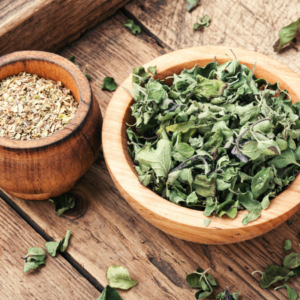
(260, 72)
(43, 68)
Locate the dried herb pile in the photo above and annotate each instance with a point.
(218, 139)
(32, 107)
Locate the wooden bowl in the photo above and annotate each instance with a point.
(47, 167)
(185, 223)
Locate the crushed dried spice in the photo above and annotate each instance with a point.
(32, 107)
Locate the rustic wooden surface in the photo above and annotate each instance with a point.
(175, 220)
(49, 24)
(106, 230)
(56, 280)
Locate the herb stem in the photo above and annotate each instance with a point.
(188, 162)
(249, 128)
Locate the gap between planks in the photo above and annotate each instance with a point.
(80, 269)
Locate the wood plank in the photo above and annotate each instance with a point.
(253, 25)
(106, 230)
(49, 25)
(56, 280)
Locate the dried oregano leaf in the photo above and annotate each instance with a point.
(287, 245)
(292, 294)
(203, 22)
(152, 70)
(109, 293)
(191, 4)
(287, 34)
(35, 257)
(118, 277)
(53, 247)
(63, 203)
(135, 29)
(109, 84)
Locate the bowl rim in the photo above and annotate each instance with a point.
(85, 98)
(179, 221)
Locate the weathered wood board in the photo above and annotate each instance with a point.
(49, 25)
(56, 280)
(253, 25)
(106, 230)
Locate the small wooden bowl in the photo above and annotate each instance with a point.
(184, 223)
(48, 167)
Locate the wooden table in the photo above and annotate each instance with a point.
(105, 229)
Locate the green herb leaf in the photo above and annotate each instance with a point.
(292, 294)
(63, 203)
(205, 187)
(252, 216)
(286, 158)
(31, 265)
(118, 277)
(287, 34)
(109, 84)
(140, 76)
(191, 4)
(207, 222)
(53, 247)
(273, 274)
(260, 182)
(109, 294)
(72, 59)
(203, 22)
(226, 295)
(152, 70)
(287, 245)
(292, 260)
(135, 29)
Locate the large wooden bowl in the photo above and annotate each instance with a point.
(47, 167)
(182, 222)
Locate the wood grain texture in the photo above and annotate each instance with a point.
(106, 230)
(48, 167)
(56, 280)
(253, 25)
(173, 219)
(49, 25)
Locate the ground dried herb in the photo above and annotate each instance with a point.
(217, 139)
(32, 107)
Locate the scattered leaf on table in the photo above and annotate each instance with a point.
(273, 274)
(226, 295)
(292, 260)
(287, 245)
(203, 22)
(192, 4)
(292, 294)
(63, 203)
(109, 293)
(53, 247)
(109, 84)
(72, 59)
(118, 277)
(287, 34)
(135, 29)
(35, 257)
